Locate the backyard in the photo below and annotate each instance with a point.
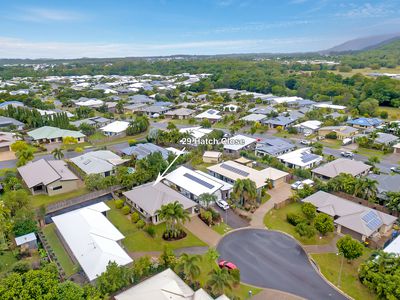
(139, 240)
(39, 200)
(7, 259)
(329, 264)
(276, 220)
(66, 263)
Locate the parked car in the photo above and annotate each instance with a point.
(346, 154)
(295, 186)
(227, 264)
(307, 134)
(223, 204)
(305, 142)
(395, 169)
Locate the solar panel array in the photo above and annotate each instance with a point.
(198, 180)
(234, 170)
(212, 112)
(372, 220)
(307, 157)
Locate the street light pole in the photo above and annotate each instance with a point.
(340, 270)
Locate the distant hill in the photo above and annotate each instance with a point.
(364, 43)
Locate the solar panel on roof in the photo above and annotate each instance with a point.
(307, 157)
(234, 170)
(198, 180)
(372, 220)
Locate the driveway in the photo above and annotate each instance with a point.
(232, 219)
(271, 259)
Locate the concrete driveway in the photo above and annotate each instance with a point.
(271, 259)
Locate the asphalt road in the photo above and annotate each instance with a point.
(274, 260)
(230, 218)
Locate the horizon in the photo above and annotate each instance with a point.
(164, 28)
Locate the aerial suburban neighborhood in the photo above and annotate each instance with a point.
(249, 175)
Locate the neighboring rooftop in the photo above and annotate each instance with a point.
(342, 165)
(143, 150)
(238, 142)
(274, 146)
(115, 127)
(301, 157)
(48, 132)
(97, 162)
(211, 114)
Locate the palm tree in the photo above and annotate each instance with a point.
(245, 191)
(370, 189)
(206, 198)
(173, 214)
(189, 265)
(24, 156)
(220, 281)
(57, 153)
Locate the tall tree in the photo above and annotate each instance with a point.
(189, 265)
(57, 153)
(220, 281)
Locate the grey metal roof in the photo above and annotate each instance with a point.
(5, 121)
(386, 138)
(97, 162)
(143, 150)
(386, 183)
(180, 112)
(342, 165)
(279, 121)
(274, 146)
(151, 197)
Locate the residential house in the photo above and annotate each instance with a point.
(267, 110)
(351, 218)
(49, 177)
(212, 157)
(96, 122)
(308, 127)
(365, 123)
(329, 106)
(163, 286)
(135, 99)
(274, 147)
(135, 107)
(101, 162)
(301, 158)
(86, 102)
(210, 114)
(230, 171)
(393, 247)
(148, 198)
(396, 148)
(14, 104)
(48, 134)
(231, 108)
(280, 121)
(253, 118)
(239, 143)
(386, 139)
(334, 168)
(6, 122)
(154, 111)
(386, 183)
(196, 132)
(141, 151)
(91, 239)
(115, 128)
(192, 184)
(342, 132)
(180, 113)
(6, 140)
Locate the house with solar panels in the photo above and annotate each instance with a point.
(359, 221)
(210, 114)
(193, 183)
(141, 151)
(230, 171)
(301, 158)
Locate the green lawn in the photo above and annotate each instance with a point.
(335, 144)
(3, 171)
(276, 220)
(265, 198)
(221, 228)
(7, 259)
(369, 152)
(39, 200)
(66, 263)
(96, 136)
(139, 240)
(241, 291)
(203, 167)
(329, 264)
(74, 146)
(394, 112)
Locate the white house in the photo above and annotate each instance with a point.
(91, 239)
(115, 128)
(301, 158)
(308, 127)
(210, 114)
(238, 143)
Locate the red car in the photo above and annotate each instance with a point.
(227, 264)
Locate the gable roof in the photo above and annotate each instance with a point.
(386, 138)
(92, 238)
(115, 127)
(238, 142)
(143, 150)
(49, 132)
(254, 117)
(6, 121)
(301, 157)
(368, 122)
(151, 197)
(342, 165)
(45, 172)
(386, 183)
(274, 146)
(211, 114)
(97, 162)
(354, 216)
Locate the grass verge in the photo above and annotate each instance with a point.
(39, 200)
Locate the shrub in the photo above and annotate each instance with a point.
(384, 114)
(324, 223)
(305, 230)
(119, 203)
(309, 210)
(126, 209)
(78, 149)
(135, 217)
(21, 267)
(140, 224)
(295, 219)
(331, 135)
(215, 215)
(132, 142)
(206, 216)
(151, 230)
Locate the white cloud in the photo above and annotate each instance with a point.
(36, 14)
(366, 10)
(17, 48)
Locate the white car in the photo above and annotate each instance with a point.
(296, 185)
(299, 185)
(347, 154)
(305, 142)
(222, 204)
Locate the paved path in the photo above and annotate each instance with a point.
(278, 194)
(202, 231)
(274, 260)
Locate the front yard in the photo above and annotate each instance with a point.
(329, 264)
(276, 220)
(39, 200)
(137, 240)
(66, 263)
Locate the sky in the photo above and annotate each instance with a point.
(120, 28)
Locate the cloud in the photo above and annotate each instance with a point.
(366, 10)
(35, 14)
(17, 48)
